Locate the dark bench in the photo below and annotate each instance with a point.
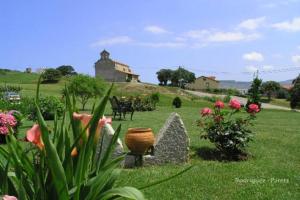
(121, 107)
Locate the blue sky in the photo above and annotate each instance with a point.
(227, 38)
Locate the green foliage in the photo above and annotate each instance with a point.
(178, 77)
(282, 94)
(164, 76)
(66, 70)
(49, 107)
(85, 87)
(10, 88)
(177, 102)
(270, 88)
(254, 92)
(51, 76)
(295, 93)
(155, 98)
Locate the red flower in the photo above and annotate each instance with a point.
(234, 104)
(219, 104)
(253, 108)
(33, 135)
(205, 112)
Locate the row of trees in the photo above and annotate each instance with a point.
(272, 88)
(52, 75)
(178, 78)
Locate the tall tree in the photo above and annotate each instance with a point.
(85, 87)
(66, 70)
(163, 76)
(270, 88)
(254, 92)
(181, 76)
(295, 93)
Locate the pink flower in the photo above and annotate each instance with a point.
(234, 104)
(10, 120)
(2, 119)
(219, 104)
(85, 119)
(7, 197)
(253, 108)
(4, 130)
(205, 112)
(33, 135)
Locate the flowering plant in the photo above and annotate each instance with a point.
(229, 134)
(7, 122)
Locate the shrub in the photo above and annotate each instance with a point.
(230, 135)
(51, 76)
(155, 98)
(49, 107)
(176, 102)
(10, 88)
(254, 92)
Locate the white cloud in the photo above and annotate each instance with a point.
(155, 29)
(268, 67)
(292, 26)
(112, 41)
(197, 34)
(220, 36)
(163, 44)
(252, 24)
(232, 37)
(296, 59)
(251, 69)
(253, 56)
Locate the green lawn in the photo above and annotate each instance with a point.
(276, 161)
(271, 173)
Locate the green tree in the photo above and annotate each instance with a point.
(270, 88)
(51, 76)
(85, 87)
(66, 70)
(254, 92)
(295, 93)
(163, 76)
(180, 77)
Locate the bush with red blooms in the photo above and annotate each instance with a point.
(228, 131)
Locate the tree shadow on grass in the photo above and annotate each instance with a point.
(213, 154)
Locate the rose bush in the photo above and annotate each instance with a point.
(230, 134)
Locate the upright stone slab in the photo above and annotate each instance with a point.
(107, 133)
(171, 143)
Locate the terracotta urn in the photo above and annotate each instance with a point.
(139, 140)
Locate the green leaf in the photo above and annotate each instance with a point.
(126, 192)
(53, 161)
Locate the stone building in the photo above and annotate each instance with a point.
(114, 71)
(203, 83)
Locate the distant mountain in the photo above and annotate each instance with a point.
(287, 82)
(244, 84)
(234, 84)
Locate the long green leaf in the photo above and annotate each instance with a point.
(53, 161)
(126, 192)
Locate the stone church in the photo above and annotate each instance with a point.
(114, 71)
